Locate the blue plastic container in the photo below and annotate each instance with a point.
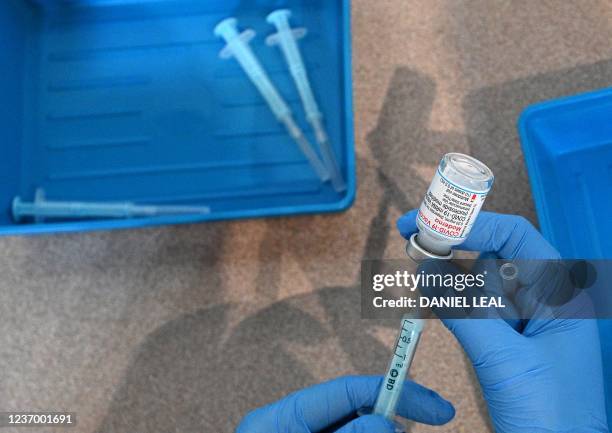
(568, 149)
(127, 100)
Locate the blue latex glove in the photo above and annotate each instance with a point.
(332, 407)
(547, 378)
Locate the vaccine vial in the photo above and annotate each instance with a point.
(450, 207)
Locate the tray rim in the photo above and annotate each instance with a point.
(278, 211)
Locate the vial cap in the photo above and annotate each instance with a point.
(419, 254)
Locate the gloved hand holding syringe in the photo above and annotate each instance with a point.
(536, 375)
(445, 218)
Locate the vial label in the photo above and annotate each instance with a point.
(450, 210)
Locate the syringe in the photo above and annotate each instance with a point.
(405, 348)
(238, 47)
(286, 38)
(42, 208)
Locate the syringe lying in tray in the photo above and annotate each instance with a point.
(41, 209)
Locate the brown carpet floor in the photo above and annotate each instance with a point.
(184, 329)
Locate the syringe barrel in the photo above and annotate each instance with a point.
(309, 102)
(286, 38)
(252, 67)
(260, 79)
(59, 209)
(393, 383)
(298, 72)
(68, 209)
(451, 205)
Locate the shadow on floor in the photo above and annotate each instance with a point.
(194, 374)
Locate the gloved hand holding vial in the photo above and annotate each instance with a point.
(446, 216)
(523, 392)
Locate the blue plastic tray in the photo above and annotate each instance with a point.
(568, 149)
(108, 100)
